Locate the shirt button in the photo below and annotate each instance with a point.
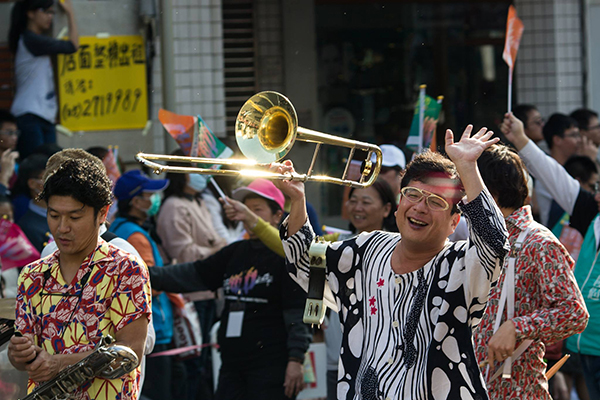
(395, 324)
(390, 361)
(398, 280)
(387, 398)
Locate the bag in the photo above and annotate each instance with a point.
(186, 330)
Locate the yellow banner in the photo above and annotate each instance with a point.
(103, 85)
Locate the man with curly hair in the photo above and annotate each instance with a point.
(84, 291)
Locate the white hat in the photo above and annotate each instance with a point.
(392, 156)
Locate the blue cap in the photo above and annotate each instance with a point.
(134, 182)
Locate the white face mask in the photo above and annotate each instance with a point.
(197, 182)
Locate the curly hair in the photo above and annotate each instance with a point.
(505, 176)
(81, 179)
(430, 165)
(59, 158)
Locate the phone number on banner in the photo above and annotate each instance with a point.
(99, 106)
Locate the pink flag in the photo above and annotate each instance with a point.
(15, 248)
(514, 31)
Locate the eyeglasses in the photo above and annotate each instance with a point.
(539, 122)
(434, 202)
(10, 133)
(593, 128)
(574, 135)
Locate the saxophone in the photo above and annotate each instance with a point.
(107, 361)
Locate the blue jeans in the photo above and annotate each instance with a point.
(591, 372)
(35, 131)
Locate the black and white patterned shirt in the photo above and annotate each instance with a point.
(408, 336)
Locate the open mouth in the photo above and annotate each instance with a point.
(416, 222)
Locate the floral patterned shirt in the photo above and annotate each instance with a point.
(548, 308)
(110, 290)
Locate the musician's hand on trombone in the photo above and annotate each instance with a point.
(502, 344)
(295, 191)
(292, 189)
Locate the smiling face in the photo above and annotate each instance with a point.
(74, 225)
(260, 207)
(366, 210)
(422, 226)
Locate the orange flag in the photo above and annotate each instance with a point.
(182, 129)
(514, 31)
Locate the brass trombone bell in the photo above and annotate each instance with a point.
(266, 129)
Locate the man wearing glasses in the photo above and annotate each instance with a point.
(85, 290)
(409, 301)
(583, 207)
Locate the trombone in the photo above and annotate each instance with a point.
(266, 128)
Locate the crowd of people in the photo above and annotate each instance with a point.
(465, 275)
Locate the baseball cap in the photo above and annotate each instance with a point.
(134, 182)
(392, 156)
(263, 188)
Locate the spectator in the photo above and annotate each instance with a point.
(8, 141)
(8, 131)
(29, 185)
(262, 338)
(392, 165)
(583, 208)
(35, 104)
(533, 122)
(546, 304)
(403, 298)
(138, 199)
(589, 126)
(564, 140)
(60, 326)
(185, 227)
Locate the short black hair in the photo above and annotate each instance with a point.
(177, 182)
(556, 125)
(272, 204)
(505, 175)
(81, 179)
(581, 167)
(30, 168)
(6, 116)
(430, 164)
(521, 111)
(582, 116)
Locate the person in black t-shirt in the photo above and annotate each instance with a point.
(262, 337)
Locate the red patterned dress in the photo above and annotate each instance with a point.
(67, 318)
(548, 308)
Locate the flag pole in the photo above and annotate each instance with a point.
(510, 88)
(421, 115)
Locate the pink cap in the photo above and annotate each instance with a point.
(263, 188)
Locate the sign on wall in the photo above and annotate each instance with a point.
(103, 85)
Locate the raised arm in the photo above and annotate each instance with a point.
(563, 188)
(67, 6)
(487, 244)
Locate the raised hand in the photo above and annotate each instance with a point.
(293, 189)
(469, 148)
(237, 211)
(513, 129)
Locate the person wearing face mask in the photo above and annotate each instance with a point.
(139, 199)
(186, 230)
